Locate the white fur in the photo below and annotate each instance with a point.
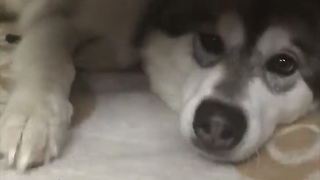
(35, 122)
(169, 63)
(175, 76)
(266, 110)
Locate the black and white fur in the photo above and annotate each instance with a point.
(115, 34)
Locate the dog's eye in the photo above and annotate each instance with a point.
(12, 38)
(212, 43)
(282, 64)
(207, 48)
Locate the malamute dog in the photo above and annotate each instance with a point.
(233, 69)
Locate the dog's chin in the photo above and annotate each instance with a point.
(226, 157)
(217, 156)
(237, 155)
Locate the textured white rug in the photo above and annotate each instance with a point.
(124, 132)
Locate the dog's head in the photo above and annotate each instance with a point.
(257, 65)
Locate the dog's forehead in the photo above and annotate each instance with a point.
(264, 32)
(230, 27)
(275, 39)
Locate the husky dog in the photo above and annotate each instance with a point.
(233, 69)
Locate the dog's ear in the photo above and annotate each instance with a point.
(174, 17)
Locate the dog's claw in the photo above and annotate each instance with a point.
(33, 135)
(11, 157)
(23, 163)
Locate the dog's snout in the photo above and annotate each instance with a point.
(219, 126)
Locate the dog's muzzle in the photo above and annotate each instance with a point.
(219, 127)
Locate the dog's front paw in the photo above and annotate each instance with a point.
(32, 129)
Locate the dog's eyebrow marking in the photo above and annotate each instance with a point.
(274, 40)
(304, 47)
(231, 29)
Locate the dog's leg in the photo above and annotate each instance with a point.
(35, 121)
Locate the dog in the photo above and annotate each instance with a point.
(232, 69)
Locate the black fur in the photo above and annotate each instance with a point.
(174, 17)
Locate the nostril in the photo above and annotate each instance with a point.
(227, 134)
(204, 126)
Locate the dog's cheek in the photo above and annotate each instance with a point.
(313, 83)
(297, 103)
(260, 106)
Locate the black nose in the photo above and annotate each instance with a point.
(219, 126)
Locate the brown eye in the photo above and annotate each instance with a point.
(211, 43)
(282, 64)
